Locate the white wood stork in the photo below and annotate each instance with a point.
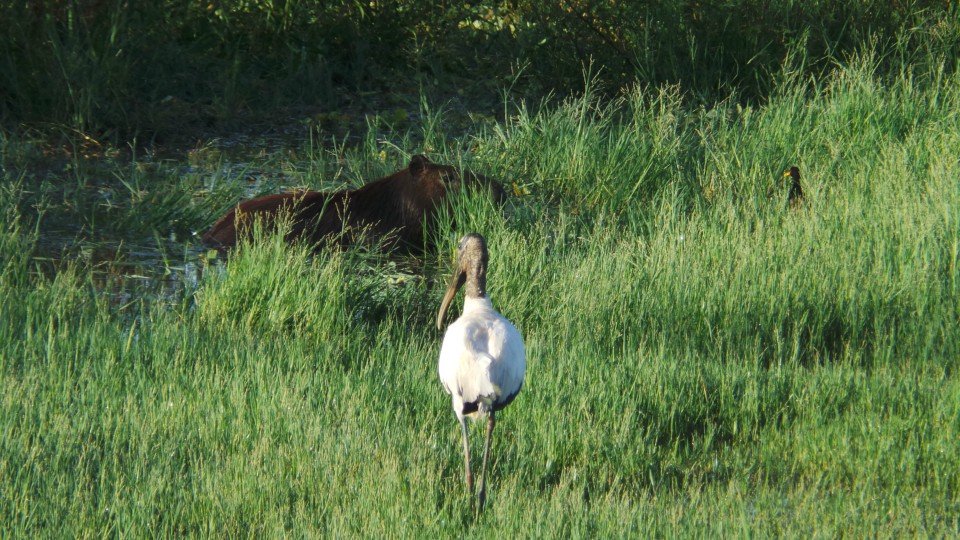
(482, 360)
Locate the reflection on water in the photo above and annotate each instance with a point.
(135, 221)
(126, 273)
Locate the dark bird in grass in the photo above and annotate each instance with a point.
(795, 198)
(482, 360)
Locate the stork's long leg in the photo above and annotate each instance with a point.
(491, 420)
(466, 454)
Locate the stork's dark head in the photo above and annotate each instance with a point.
(470, 269)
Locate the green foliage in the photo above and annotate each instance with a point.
(268, 289)
(702, 359)
(16, 244)
(597, 155)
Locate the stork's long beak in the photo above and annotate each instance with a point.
(457, 280)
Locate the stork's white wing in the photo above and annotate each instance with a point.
(482, 356)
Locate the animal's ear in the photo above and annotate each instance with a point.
(417, 164)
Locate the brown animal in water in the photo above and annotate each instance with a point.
(396, 209)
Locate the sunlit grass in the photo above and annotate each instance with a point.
(702, 360)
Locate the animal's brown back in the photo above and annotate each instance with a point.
(395, 210)
(239, 221)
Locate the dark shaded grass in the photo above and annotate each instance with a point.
(152, 72)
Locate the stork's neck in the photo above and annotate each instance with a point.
(476, 285)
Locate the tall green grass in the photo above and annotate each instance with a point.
(702, 360)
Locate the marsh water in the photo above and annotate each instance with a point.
(134, 217)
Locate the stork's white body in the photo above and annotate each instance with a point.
(482, 360)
